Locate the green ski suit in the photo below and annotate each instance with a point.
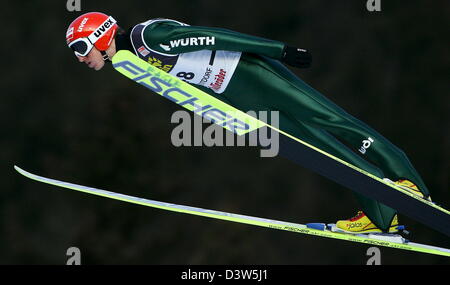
(260, 82)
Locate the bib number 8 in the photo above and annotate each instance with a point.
(186, 75)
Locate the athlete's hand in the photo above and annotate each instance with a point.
(296, 57)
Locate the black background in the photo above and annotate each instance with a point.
(65, 121)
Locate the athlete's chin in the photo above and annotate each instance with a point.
(98, 66)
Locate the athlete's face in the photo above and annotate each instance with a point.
(94, 59)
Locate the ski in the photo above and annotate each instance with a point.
(309, 229)
(291, 147)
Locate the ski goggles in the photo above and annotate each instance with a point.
(82, 46)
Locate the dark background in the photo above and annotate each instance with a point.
(65, 121)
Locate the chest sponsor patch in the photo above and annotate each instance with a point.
(218, 80)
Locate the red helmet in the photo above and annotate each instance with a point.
(95, 29)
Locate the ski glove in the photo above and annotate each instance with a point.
(296, 57)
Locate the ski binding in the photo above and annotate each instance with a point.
(396, 238)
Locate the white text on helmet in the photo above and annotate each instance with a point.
(80, 28)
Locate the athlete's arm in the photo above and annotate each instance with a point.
(167, 37)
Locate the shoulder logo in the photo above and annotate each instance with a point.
(194, 41)
(165, 47)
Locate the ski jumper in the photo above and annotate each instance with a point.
(245, 72)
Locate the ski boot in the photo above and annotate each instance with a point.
(408, 186)
(361, 224)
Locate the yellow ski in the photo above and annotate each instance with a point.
(243, 219)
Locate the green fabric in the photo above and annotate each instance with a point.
(165, 31)
(263, 84)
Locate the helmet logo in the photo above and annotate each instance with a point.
(104, 28)
(69, 34)
(80, 28)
